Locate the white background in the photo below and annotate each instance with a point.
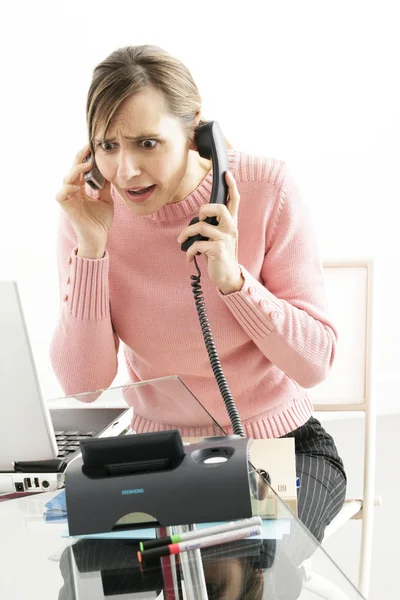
(314, 83)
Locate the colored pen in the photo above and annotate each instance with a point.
(204, 542)
(199, 533)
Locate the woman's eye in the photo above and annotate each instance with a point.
(148, 144)
(107, 146)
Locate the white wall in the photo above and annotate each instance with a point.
(311, 82)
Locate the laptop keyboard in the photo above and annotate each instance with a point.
(68, 441)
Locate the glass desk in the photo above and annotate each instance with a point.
(37, 560)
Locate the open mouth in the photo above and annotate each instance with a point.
(139, 194)
(141, 191)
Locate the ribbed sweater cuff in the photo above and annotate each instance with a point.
(87, 291)
(255, 308)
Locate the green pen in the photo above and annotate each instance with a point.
(198, 533)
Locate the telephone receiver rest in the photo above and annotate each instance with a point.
(211, 145)
(259, 479)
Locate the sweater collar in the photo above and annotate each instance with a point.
(190, 205)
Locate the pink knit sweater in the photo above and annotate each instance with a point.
(273, 337)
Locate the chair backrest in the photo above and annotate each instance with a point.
(349, 385)
(349, 288)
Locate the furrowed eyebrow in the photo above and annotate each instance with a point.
(136, 138)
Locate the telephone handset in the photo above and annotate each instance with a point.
(93, 177)
(211, 145)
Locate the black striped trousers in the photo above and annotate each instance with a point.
(322, 477)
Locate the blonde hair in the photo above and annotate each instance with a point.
(130, 70)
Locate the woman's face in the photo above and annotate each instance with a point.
(146, 154)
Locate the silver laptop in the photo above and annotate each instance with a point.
(30, 458)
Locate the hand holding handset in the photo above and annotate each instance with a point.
(90, 214)
(211, 145)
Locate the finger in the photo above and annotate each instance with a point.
(234, 196)
(67, 191)
(221, 212)
(209, 231)
(213, 250)
(81, 154)
(73, 174)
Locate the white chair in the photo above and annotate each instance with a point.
(349, 387)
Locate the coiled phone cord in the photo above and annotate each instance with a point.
(257, 483)
(213, 354)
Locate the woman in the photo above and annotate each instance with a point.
(124, 277)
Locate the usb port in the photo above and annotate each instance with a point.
(37, 484)
(28, 482)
